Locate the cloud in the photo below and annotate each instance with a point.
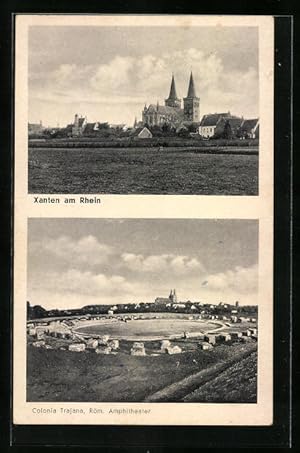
(83, 283)
(149, 278)
(173, 264)
(85, 250)
(131, 81)
(114, 76)
(240, 279)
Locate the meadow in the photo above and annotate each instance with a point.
(56, 375)
(238, 382)
(143, 171)
(146, 329)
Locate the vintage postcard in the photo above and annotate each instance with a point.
(143, 287)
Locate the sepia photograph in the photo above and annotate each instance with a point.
(148, 109)
(143, 220)
(142, 310)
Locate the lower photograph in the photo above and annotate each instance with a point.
(142, 310)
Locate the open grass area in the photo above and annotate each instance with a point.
(146, 328)
(142, 171)
(237, 383)
(204, 379)
(64, 376)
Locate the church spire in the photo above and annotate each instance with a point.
(191, 90)
(173, 100)
(173, 94)
(191, 104)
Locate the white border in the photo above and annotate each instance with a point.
(148, 206)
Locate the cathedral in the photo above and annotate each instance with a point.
(172, 113)
(172, 299)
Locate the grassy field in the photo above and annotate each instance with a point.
(55, 375)
(146, 329)
(141, 171)
(237, 383)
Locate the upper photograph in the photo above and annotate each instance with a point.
(143, 109)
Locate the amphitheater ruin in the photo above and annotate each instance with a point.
(137, 335)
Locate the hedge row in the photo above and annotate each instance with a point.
(142, 143)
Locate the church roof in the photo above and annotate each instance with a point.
(191, 90)
(164, 110)
(248, 125)
(233, 121)
(173, 94)
(212, 119)
(136, 132)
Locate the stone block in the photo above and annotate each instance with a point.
(103, 350)
(77, 347)
(173, 350)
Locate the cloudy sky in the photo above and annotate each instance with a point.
(75, 262)
(108, 73)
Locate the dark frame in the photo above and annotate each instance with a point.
(151, 437)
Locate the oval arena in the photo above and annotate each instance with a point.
(146, 329)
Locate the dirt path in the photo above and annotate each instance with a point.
(220, 326)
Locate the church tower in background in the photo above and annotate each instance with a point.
(191, 103)
(173, 100)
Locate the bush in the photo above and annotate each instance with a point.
(113, 142)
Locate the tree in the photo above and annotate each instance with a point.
(227, 132)
(156, 131)
(183, 132)
(37, 312)
(193, 127)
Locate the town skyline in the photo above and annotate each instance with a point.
(113, 84)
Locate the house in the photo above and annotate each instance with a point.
(121, 126)
(249, 129)
(142, 132)
(91, 129)
(178, 305)
(210, 122)
(35, 128)
(228, 127)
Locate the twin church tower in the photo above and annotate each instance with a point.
(172, 113)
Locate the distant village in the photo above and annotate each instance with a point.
(168, 120)
(224, 311)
